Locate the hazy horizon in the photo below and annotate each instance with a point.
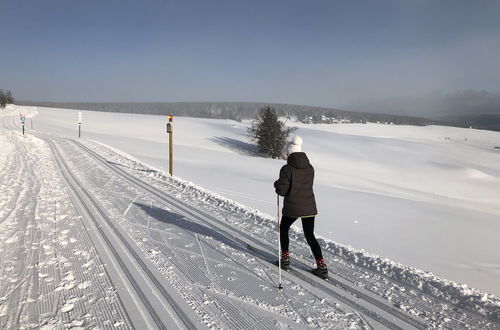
(410, 58)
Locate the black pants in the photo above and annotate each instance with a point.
(308, 226)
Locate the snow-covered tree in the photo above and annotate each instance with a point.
(270, 133)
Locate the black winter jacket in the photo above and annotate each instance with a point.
(296, 184)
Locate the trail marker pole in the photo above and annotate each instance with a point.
(79, 123)
(170, 131)
(23, 120)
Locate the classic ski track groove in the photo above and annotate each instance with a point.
(351, 288)
(207, 282)
(254, 238)
(162, 245)
(260, 262)
(191, 275)
(206, 263)
(196, 275)
(185, 320)
(68, 177)
(287, 300)
(209, 286)
(229, 232)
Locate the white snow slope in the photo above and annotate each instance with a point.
(91, 237)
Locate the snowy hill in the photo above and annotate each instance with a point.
(424, 196)
(104, 227)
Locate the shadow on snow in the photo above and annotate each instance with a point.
(240, 147)
(184, 223)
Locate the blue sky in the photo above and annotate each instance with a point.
(327, 53)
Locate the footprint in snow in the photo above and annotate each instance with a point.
(67, 308)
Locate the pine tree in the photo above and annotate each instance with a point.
(270, 133)
(5, 98)
(10, 98)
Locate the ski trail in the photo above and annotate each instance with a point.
(130, 205)
(211, 276)
(182, 208)
(109, 181)
(147, 280)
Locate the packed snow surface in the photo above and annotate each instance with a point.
(423, 197)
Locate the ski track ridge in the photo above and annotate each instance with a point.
(70, 177)
(342, 283)
(301, 267)
(229, 233)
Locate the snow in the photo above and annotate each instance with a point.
(415, 197)
(36, 249)
(423, 196)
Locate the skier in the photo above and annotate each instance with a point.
(296, 184)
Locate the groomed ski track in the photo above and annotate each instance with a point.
(190, 212)
(175, 263)
(378, 312)
(161, 314)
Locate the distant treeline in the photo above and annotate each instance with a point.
(239, 111)
(484, 121)
(5, 98)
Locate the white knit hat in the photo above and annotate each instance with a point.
(294, 146)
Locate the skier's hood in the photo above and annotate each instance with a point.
(298, 160)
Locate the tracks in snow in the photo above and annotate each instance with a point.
(347, 285)
(373, 309)
(161, 309)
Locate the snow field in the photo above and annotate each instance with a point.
(46, 252)
(225, 284)
(396, 191)
(209, 273)
(259, 225)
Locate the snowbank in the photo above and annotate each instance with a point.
(452, 292)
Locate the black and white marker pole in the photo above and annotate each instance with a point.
(280, 287)
(170, 131)
(23, 120)
(79, 123)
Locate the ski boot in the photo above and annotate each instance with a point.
(285, 261)
(321, 271)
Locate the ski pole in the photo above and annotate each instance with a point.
(279, 241)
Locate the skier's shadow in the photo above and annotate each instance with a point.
(182, 222)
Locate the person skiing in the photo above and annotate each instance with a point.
(295, 183)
